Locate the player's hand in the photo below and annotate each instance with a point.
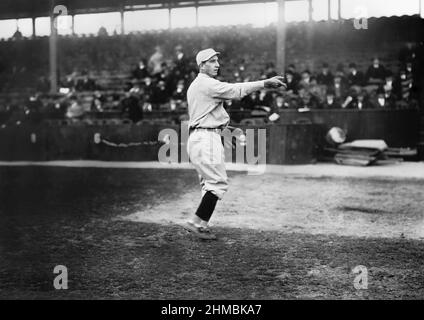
(275, 82)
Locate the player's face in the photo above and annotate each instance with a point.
(211, 66)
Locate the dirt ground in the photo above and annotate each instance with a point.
(279, 236)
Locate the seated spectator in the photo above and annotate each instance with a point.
(340, 72)
(264, 98)
(307, 100)
(168, 78)
(330, 101)
(403, 84)
(249, 102)
(34, 108)
(180, 61)
(140, 72)
(380, 101)
(339, 88)
(86, 84)
(388, 88)
(388, 81)
(357, 100)
(305, 82)
(409, 67)
(131, 107)
(160, 94)
(294, 101)
(318, 92)
(180, 92)
(325, 77)
(354, 77)
(75, 111)
(296, 76)
(376, 73)
(292, 85)
(148, 86)
(156, 60)
(279, 104)
(412, 73)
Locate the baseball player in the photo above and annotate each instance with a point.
(205, 98)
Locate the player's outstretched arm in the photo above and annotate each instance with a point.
(224, 90)
(275, 82)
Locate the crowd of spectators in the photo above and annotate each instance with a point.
(162, 74)
(158, 84)
(375, 87)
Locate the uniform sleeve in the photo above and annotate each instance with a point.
(225, 90)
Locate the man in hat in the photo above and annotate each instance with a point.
(325, 77)
(354, 77)
(206, 96)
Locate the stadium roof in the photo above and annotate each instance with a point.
(14, 9)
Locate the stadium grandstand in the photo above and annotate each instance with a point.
(130, 62)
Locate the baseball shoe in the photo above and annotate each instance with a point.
(201, 232)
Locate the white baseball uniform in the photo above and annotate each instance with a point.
(205, 98)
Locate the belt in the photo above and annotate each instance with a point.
(217, 130)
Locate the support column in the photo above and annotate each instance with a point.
(169, 18)
(310, 10)
(33, 27)
(329, 10)
(196, 6)
(53, 50)
(339, 9)
(197, 16)
(122, 22)
(309, 28)
(73, 24)
(281, 38)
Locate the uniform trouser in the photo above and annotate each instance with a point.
(207, 155)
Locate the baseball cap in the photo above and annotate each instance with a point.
(205, 55)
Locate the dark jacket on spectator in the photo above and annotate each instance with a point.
(340, 90)
(264, 98)
(375, 75)
(140, 72)
(356, 79)
(331, 104)
(131, 107)
(402, 86)
(325, 79)
(249, 102)
(386, 103)
(160, 94)
(86, 84)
